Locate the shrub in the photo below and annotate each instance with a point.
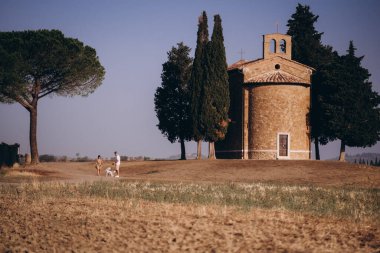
(48, 158)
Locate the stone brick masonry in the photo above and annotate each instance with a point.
(275, 109)
(269, 107)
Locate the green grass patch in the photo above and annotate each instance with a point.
(355, 203)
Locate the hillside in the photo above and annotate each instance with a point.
(178, 206)
(323, 173)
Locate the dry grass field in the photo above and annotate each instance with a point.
(191, 206)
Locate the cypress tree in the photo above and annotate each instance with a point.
(351, 106)
(215, 100)
(308, 49)
(306, 41)
(197, 81)
(172, 99)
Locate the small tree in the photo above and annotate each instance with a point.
(197, 82)
(35, 64)
(172, 99)
(352, 112)
(215, 100)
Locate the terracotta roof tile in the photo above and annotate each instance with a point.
(241, 63)
(276, 76)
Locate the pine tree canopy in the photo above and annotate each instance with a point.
(172, 99)
(34, 64)
(352, 112)
(305, 39)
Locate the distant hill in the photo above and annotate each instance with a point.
(188, 156)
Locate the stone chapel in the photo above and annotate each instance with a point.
(269, 106)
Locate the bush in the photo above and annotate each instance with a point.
(8, 154)
(124, 158)
(48, 158)
(84, 159)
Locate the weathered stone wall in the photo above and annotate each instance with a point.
(269, 96)
(300, 155)
(269, 109)
(277, 37)
(267, 65)
(263, 155)
(277, 109)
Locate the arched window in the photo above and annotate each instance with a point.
(273, 46)
(283, 46)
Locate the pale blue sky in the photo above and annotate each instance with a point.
(132, 39)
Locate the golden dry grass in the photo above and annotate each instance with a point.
(104, 225)
(175, 209)
(129, 216)
(353, 203)
(18, 173)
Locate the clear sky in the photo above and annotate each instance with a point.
(132, 39)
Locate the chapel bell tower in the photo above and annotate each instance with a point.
(277, 44)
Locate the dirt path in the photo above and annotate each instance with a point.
(325, 173)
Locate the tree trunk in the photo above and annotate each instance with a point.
(316, 143)
(211, 150)
(183, 150)
(342, 155)
(199, 150)
(33, 135)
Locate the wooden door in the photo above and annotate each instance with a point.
(283, 149)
